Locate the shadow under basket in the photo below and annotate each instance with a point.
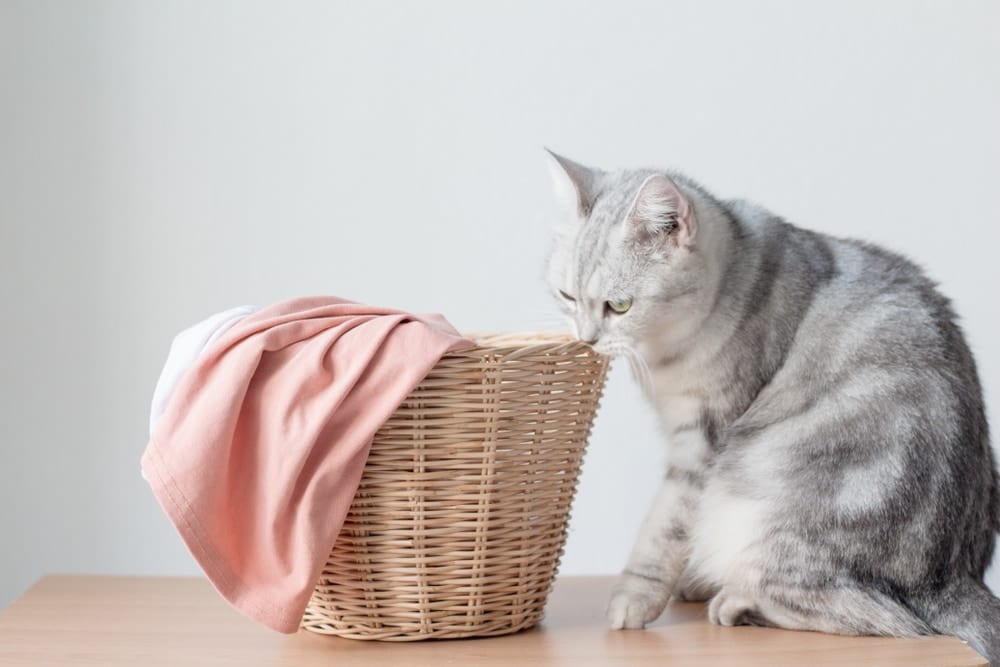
(460, 520)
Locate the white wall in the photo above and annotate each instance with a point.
(161, 161)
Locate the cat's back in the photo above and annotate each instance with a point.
(858, 267)
(873, 331)
(862, 296)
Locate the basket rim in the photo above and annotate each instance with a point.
(550, 342)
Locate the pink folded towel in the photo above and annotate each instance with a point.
(261, 447)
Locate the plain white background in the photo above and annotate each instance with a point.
(163, 161)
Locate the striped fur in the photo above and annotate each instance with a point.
(829, 464)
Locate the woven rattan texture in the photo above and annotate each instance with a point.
(460, 520)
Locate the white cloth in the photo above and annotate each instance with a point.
(184, 350)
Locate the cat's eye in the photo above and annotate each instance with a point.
(566, 296)
(619, 306)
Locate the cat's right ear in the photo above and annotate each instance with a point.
(575, 185)
(661, 211)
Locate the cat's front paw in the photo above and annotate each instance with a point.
(635, 601)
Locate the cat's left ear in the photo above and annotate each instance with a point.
(661, 211)
(575, 184)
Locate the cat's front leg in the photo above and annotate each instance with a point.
(658, 558)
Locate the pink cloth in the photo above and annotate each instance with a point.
(261, 447)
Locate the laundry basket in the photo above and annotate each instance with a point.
(460, 520)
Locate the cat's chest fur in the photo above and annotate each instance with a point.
(689, 393)
(688, 396)
(680, 395)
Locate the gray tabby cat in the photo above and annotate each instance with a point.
(829, 465)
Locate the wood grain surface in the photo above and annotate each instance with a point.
(72, 621)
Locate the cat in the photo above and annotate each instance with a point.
(829, 465)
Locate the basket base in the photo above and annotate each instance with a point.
(319, 623)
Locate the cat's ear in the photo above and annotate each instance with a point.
(661, 211)
(575, 185)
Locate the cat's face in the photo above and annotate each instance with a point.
(622, 263)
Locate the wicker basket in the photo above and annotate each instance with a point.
(460, 519)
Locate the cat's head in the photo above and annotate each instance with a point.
(624, 263)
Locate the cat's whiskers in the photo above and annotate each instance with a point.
(636, 363)
(640, 369)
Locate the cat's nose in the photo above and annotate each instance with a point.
(587, 332)
(589, 336)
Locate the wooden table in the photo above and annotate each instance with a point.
(72, 621)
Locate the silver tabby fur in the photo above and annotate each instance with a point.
(829, 465)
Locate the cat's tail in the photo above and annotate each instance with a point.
(968, 610)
